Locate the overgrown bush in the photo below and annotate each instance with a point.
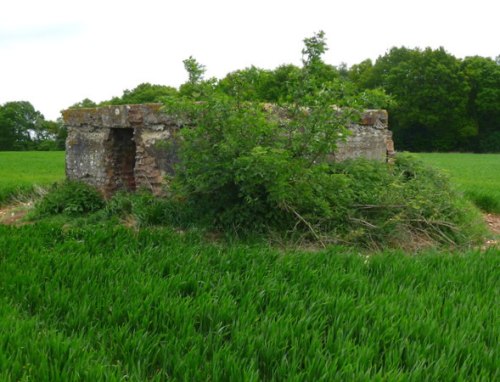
(242, 161)
(69, 198)
(148, 210)
(405, 204)
(247, 169)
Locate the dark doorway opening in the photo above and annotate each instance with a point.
(122, 151)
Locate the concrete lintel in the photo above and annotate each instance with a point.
(117, 116)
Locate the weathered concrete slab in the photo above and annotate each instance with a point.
(370, 138)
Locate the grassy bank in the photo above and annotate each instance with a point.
(20, 171)
(477, 175)
(107, 303)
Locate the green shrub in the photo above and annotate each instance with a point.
(405, 204)
(247, 169)
(149, 210)
(69, 198)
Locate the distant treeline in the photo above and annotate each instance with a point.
(436, 102)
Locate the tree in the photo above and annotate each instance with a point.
(361, 74)
(314, 48)
(282, 82)
(431, 98)
(319, 74)
(196, 87)
(142, 93)
(483, 77)
(54, 136)
(85, 103)
(250, 84)
(291, 84)
(255, 84)
(21, 126)
(195, 70)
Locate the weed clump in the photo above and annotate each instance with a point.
(69, 198)
(147, 209)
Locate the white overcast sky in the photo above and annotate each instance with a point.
(54, 53)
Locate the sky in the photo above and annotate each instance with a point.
(54, 53)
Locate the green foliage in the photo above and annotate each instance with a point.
(244, 166)
(21, 126)
(441, 103)
(83, 104)
(143, 93)
(195, 70)
(376, 99)
(314, 48)
(254, 168)
(431, 95)
(148, 210)
(196, 88)
(412, 204)
(69, 198)
(250, 84)
(24, 128)
(319, 74)
(281, 84)
(108, 303)
(361, 74)
(290, 84)
(247, 169)
(490, 143)
(52, 136)
(483, 76)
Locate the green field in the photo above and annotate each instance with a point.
(477, 175)
(90, 302)
(20, 171)
(105, 303)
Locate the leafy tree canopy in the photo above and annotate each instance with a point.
(143, 93)
(431, 95)
(20, 126)
(85, 103)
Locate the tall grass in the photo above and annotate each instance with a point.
(106, 303)
(21, 170)
(477, 175)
